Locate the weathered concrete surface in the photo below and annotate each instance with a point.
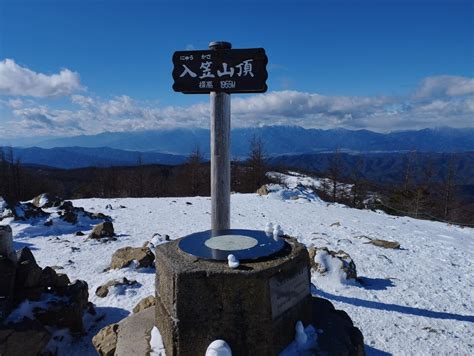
(201, 301)
(134, 333)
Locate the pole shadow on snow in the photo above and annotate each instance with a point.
(396, 308)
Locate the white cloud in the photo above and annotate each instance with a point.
(445, 85)
(311, 110)
(84, 101)
(21, 81)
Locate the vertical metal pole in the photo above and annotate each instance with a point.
(220, 155)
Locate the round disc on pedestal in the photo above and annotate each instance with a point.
(243, 244)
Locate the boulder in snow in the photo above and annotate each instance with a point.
(123, 257)
(385, 244)
(262, 190)
(46, 200)
(103, 290)
(102, 230)
(325, 261)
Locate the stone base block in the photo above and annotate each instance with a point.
(253, 308)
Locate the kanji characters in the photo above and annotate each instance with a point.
(245, 68)
(206, 70)
(229, 72)
(187, 71)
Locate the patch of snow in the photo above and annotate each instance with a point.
(156, 343)
(417, 299)
(43, 200)
(218, 348)
(27, 307)
(333, 275)
(305, 343)
(232, 261)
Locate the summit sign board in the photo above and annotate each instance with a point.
(224, 70)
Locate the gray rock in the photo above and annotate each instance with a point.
(105, 342)
(7, 283)
(103, 290)
(46, 200)
(123, 257)
(263, 190)
(134, 333)
(131, 336)
(347, 264)
(23, 339)
(102, 230)
(66, 312)
(145, 303)
(385, 244)
(338, 336)
(6, 243)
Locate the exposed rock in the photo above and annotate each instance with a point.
(336, 224)
(134, 333)
(317, 256)
(25, 211)
(80, 233)
(69, 216)
(105, 229)
(64, 303)
(7, 283)
(66, 311)
(131, 336)
(338, 336)
(71, 213)
(263, 190)
(145, 303)
(385, 244)
(23, 339)
(46, 200)
(105, 342)
(98, 216)
(103, 290)
(124, 257)
(28, 275)
(6, 243)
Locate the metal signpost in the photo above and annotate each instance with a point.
(219, 72)
(264, 288)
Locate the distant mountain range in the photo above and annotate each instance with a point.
(387, 167)
(80, 157)
(278, 140)
(292, 146)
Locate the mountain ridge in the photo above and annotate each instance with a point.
(278, 140)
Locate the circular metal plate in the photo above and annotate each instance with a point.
(243, 244)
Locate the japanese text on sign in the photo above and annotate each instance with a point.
(241, 70)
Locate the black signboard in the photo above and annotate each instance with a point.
(223, 70)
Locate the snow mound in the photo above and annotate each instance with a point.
(280, 192)
(334, 269)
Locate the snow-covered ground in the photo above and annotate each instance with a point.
(415, 300)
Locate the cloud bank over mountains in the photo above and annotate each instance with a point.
(21, 81)
(24, 94)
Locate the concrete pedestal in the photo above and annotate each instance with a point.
(253, 308)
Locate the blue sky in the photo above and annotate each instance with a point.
(354, 64)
